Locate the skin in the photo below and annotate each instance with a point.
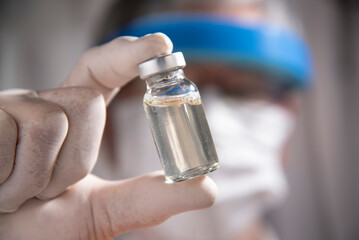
(49, 143)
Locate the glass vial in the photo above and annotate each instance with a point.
(178, 123)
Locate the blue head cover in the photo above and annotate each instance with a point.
(219, 39)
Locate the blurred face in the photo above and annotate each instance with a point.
(246, 86)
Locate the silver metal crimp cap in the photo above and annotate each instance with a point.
(161, 64)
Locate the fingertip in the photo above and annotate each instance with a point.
(162, 44)
(209, 191)
(167, 43)
(197, 193)
(201, 191)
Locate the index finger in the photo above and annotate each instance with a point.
(108, 67)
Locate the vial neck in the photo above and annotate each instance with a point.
(174, 75)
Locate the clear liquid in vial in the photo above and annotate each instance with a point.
(182, 137)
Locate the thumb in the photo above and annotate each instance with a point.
(146, 201)
(108, 67)
(97, 209)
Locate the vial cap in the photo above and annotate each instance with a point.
(161, 64)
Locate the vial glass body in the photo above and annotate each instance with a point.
(179, 126)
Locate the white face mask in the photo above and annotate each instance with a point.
(249, 137)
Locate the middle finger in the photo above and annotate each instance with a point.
(42, 128)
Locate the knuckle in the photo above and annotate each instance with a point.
(47, 133)
(48, 127)
(83, 95)
(41, 137)
(86, 103)
(84, 165)
(41, 177)
(75, 100)
(81, 164)
(81, 170)
(118, 42)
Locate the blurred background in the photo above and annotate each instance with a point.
(323, 165)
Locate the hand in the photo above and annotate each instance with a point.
(57, 134)
(98, 209)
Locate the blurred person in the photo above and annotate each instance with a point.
(250, 66)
